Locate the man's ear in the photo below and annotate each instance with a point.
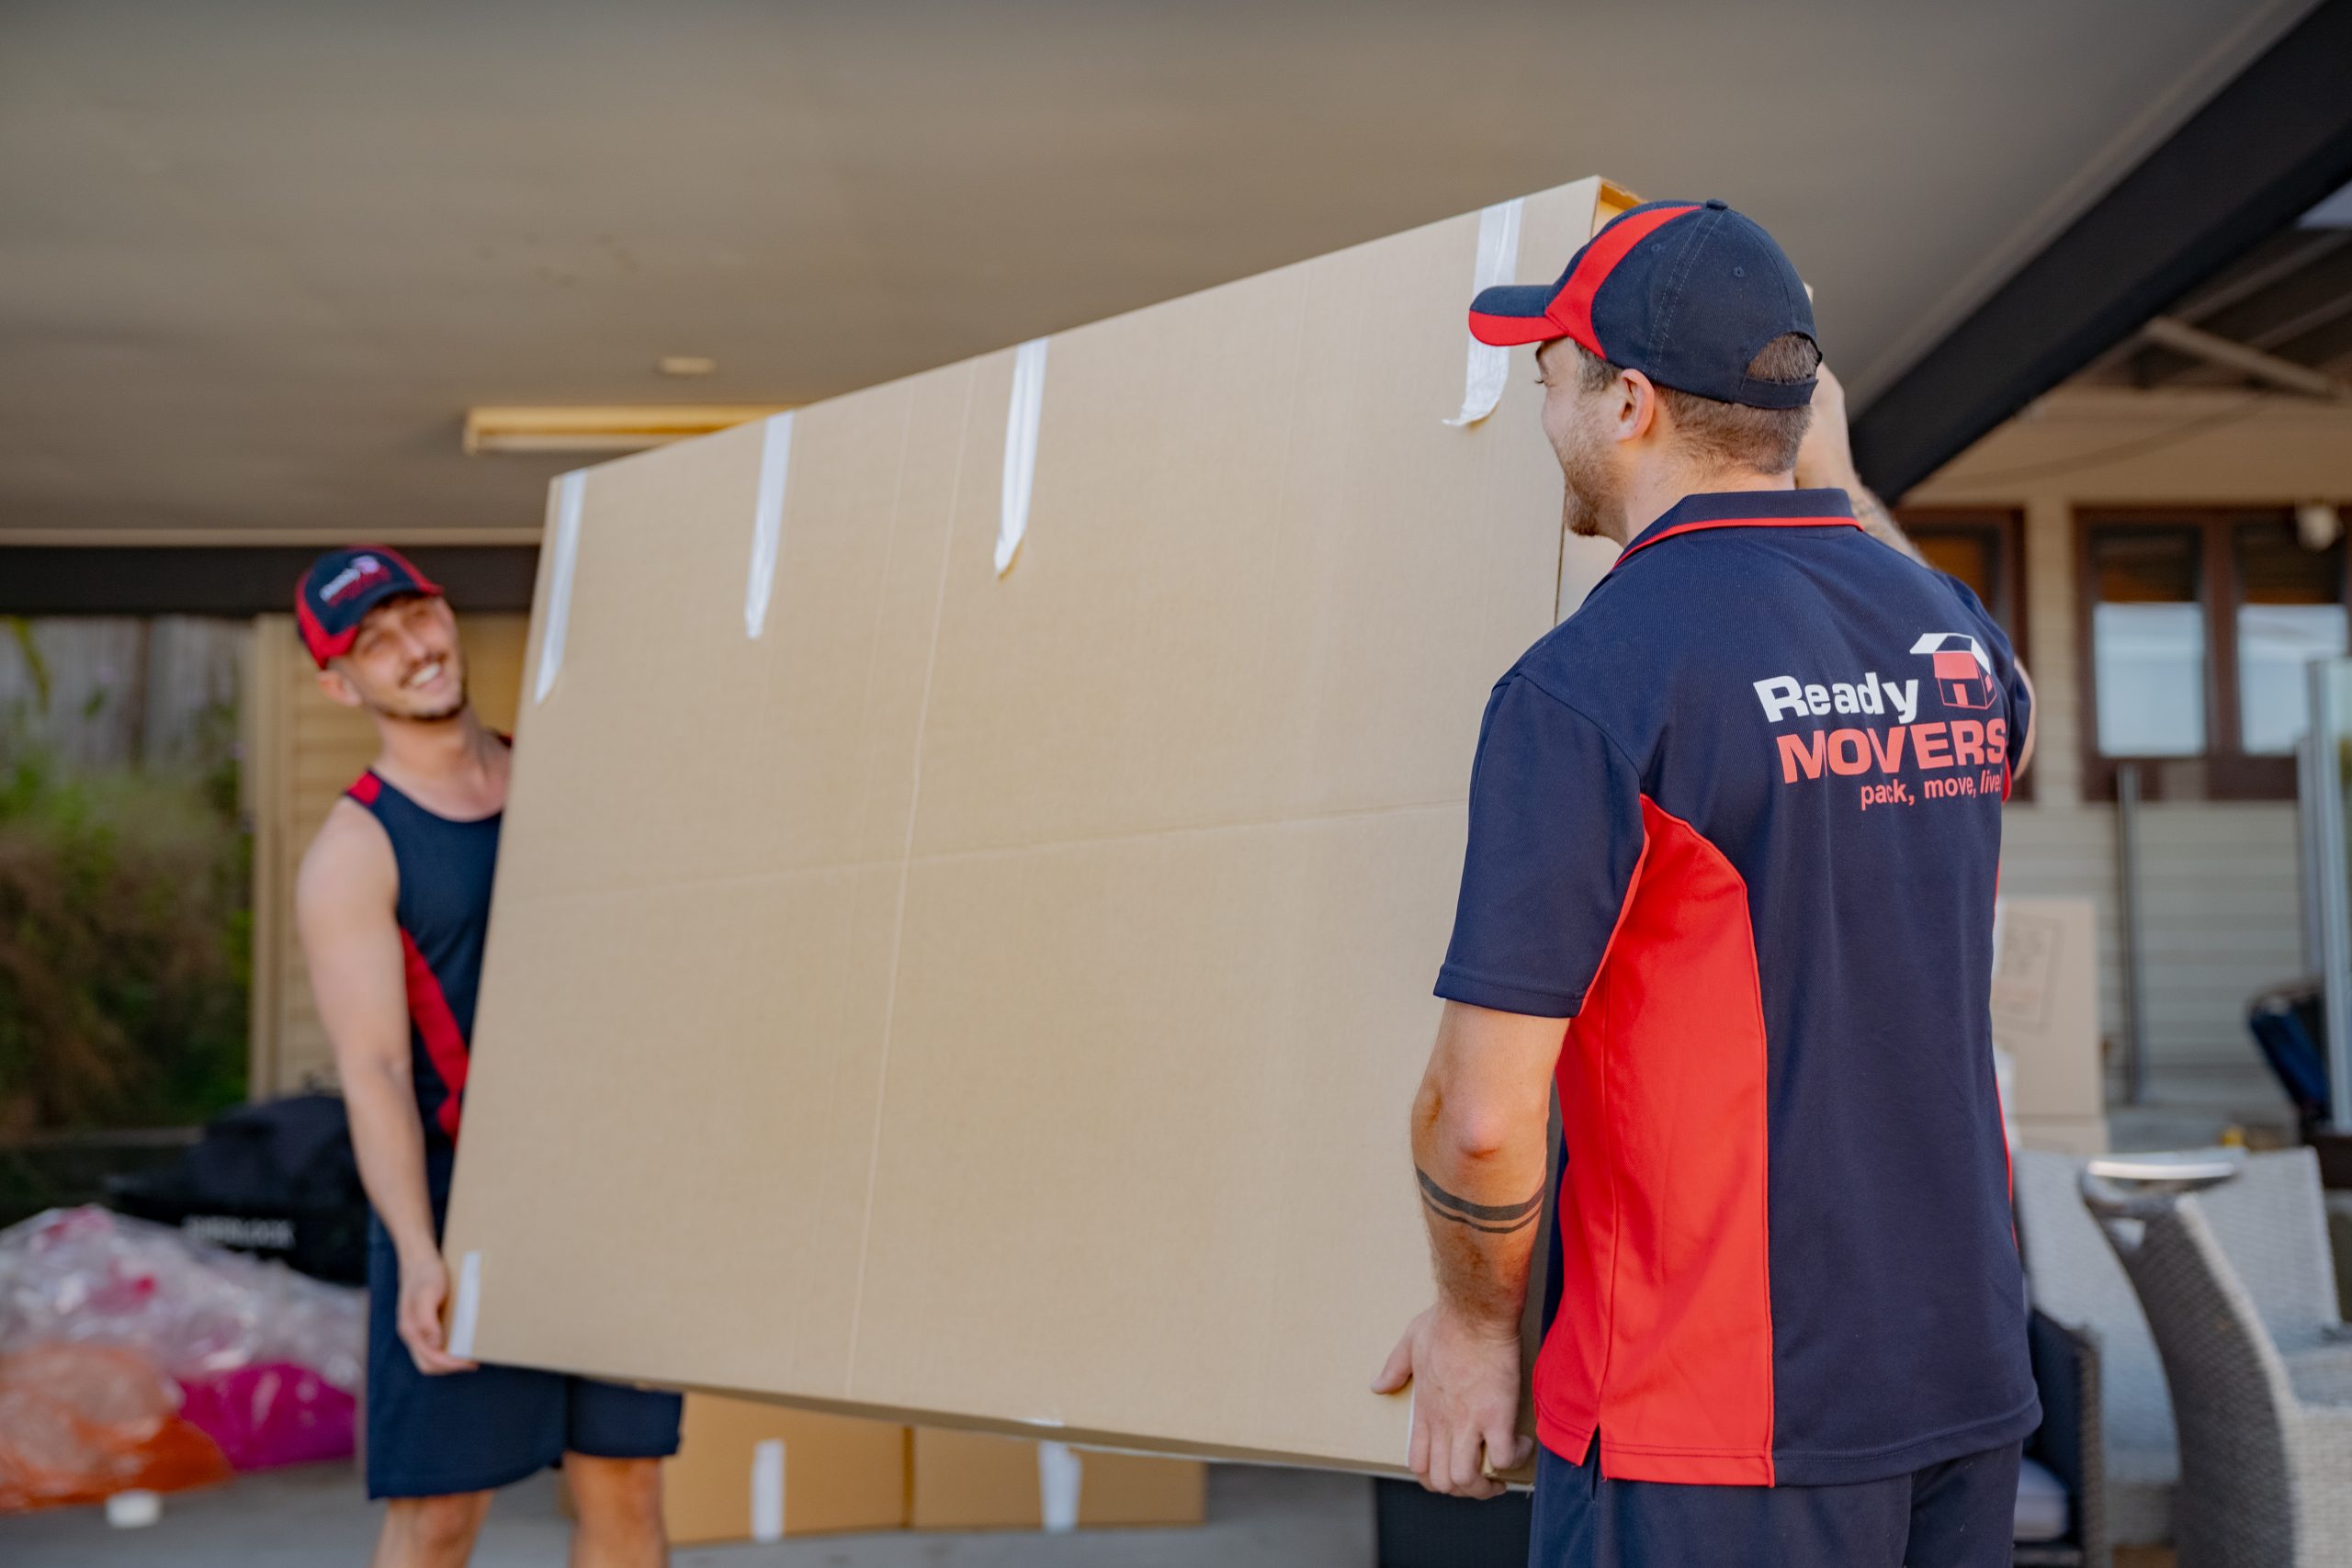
(1637, 406)
(338, 690)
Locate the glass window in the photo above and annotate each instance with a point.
(2148, 642)
(2290, 611)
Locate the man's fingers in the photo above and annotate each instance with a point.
(421, 1322)
(420, 1330)
(1399, 1370)
(1505, 1448)
(1417, 1450)
(1465, 1459)
(430, 1358)
(439, 1363)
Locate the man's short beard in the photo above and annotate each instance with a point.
(441, 715)
(455, 706)
(1590, 497)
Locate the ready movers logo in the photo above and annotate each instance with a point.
(1949, 758)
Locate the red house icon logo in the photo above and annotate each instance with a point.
(1963, 673)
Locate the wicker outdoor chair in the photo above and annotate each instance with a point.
(2264, 1437)
(2271, 1222)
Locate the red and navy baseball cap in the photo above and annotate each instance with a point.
(342, 586)
(1685, 292)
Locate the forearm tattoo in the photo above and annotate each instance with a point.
(1495, 1218)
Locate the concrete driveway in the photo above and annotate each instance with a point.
(1258, 1518)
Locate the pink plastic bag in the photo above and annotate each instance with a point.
(272, 1414)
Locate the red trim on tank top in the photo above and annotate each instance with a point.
(444, 1045)
(365, 789)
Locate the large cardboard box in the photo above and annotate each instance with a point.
(972, 1480)
(924, 989)
(747, 1470)
(2045, 1015)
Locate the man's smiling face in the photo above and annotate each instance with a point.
(406, 662)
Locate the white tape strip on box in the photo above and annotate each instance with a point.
(1062, 1477)
(1497, 264)
(465, 1313)
(767, 522)
(1020, 450)
(567, 492)
(767, 1490)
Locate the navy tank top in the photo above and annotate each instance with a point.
(446, 867)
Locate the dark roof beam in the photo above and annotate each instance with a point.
(2259, 155)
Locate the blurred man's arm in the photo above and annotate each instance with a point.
(2032, 724)
(344, 902)
(1480, 1125)
(1826, 461)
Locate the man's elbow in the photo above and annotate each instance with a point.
(1463, 1128)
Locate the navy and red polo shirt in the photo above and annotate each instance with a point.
(1738, 818)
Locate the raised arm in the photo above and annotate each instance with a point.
(344, 908)
(1826, 461)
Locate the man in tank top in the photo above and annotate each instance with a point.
(392, 902)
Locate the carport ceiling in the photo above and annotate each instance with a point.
(256, 259)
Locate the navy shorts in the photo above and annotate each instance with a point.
(431, 1437)
(1959, 1514)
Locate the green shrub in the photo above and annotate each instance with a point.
(125, 940)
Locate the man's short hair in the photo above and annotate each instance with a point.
(1763, 439)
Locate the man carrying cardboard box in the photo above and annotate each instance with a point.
(1729, 821)
(394, 903)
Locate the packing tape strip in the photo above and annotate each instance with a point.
(1021, 449)
(767, 521)
(1061, 1475)
(465, 1313)
(767, 1490)
(567, 492)
(1497, 263)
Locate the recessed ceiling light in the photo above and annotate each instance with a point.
(688, 364)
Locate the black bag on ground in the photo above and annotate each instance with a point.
(277, 1179)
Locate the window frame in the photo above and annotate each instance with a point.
(2224, 771)
(2006, 524)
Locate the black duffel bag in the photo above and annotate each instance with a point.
(277, 1179)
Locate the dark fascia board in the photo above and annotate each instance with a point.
(237, 580)
(2268, 148)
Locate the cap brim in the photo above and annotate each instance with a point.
(1513, 313)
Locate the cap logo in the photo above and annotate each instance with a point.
(351, 577)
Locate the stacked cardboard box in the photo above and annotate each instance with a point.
(752, 1470)
(977, 853)
(2045, 1016)
(971, 1481)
